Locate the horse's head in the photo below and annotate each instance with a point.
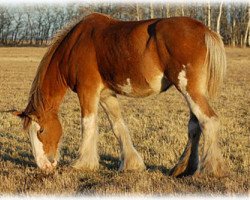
(45, 133)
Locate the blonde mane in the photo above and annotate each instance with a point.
(35, 97)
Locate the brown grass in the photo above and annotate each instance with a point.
(158, 126)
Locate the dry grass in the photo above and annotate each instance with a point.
(158, 126)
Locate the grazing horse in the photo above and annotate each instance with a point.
(99, 57)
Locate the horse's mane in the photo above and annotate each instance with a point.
(36, 101)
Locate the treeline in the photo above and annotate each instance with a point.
(36, 24)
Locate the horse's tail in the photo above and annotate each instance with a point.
(215, 62)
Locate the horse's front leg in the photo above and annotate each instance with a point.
(88, 153)
(131, 160)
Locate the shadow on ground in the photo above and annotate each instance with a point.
(160, 168)
(14, 152)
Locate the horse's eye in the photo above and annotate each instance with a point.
(41, 130)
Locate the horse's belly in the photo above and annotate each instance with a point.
(159, 83)
(132, 87)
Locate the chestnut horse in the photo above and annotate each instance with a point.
(99, 57)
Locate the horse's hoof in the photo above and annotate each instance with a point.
(85, 166)
(218, 174)
(132, 162)
(216, 169)
(177, 170)
(126, 168)
(197, 174)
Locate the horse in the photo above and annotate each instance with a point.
(99, 57)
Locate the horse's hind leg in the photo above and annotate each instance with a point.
(131, 160)
(189, 160)
(211, 161)
(205, 117)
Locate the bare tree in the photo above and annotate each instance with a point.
(233, 26)
(2, 22)
(182, 10)
(17, 18)
(8, 18)
(247, 32)
(209, 14)
(219, 17)
(137, 12)
(167, 10)
(30, 33)
(151, 10)
(35, 25)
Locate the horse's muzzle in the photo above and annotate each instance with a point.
(44, 163)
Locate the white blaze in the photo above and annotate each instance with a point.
(37, 147)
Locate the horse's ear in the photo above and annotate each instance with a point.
(23, 115)
(27, 118)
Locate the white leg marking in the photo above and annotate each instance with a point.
(37, 148)
(88, 150)
(89, 145)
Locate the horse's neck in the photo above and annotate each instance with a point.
(53, 87)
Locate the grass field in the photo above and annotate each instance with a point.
(158, 126)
